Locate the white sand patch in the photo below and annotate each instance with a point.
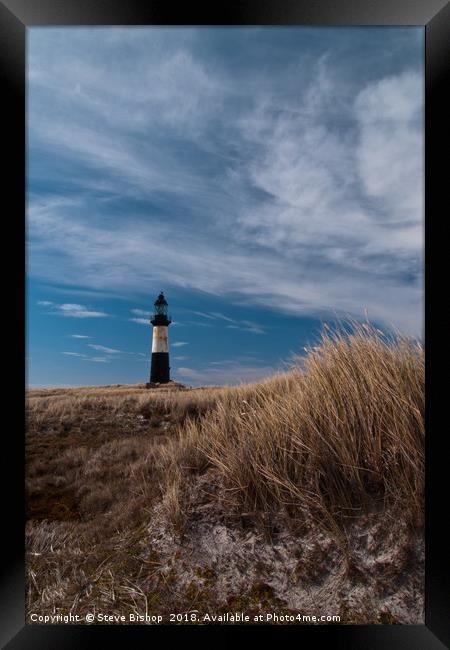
(378, 578)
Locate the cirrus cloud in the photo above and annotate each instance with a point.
(308, 199)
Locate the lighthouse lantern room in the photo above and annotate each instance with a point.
(160, 369)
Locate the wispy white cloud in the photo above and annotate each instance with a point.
(179, 344)
(222, 317)
(389, 114)
(79, 336)
(73, 310)
(255, 329)
(204, 315)
(314, 221)
(98, 359)
(142, 316)
(79, 311)
(102, 348)
(85, 357)
(244, 325)
(141, 312)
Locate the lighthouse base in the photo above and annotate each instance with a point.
(160, 370)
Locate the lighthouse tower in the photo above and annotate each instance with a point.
(160, 370)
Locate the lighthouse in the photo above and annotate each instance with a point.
(160, 369)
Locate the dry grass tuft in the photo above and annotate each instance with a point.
(341, 432)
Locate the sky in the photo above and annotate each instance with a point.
(268, 180)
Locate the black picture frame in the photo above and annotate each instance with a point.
(434, 16)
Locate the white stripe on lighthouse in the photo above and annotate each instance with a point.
(160, 341)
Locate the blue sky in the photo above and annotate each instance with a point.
(266, 179)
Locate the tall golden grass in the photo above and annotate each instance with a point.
(342, 431)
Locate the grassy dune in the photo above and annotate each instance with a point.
(319, 470)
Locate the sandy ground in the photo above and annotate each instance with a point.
(230, 565)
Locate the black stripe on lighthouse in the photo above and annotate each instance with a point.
(160, 372)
